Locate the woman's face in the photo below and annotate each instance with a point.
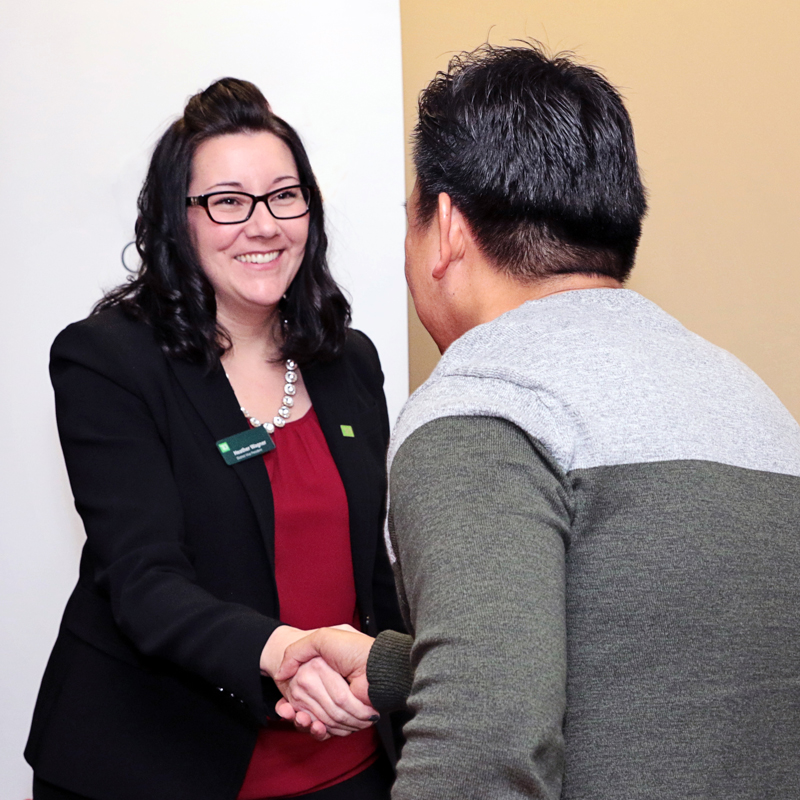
(250, 264)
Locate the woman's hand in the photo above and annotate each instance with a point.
(322, 694)
(344, 648)
(317, 698)
(346, 651)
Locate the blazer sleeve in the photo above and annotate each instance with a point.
(125, 492)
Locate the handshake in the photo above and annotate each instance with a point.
(322, 675)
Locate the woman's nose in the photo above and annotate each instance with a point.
(261, 221)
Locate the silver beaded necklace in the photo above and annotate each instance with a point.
(285, 411)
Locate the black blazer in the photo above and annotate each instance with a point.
(153, 688)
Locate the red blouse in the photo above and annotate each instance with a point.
(314, 574)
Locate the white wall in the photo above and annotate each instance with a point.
(88, 86)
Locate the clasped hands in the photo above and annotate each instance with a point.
(323, 679)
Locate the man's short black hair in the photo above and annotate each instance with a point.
(538, 154)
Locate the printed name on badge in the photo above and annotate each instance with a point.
(247, 444)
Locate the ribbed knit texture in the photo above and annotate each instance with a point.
(389, 671)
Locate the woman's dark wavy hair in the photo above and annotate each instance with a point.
(170, 290)
(537, 152)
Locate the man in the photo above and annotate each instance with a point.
(593, 512)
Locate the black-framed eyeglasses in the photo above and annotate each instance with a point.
(230, 208)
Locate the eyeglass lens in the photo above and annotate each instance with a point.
(231, 207)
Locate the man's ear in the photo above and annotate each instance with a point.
(451, 235)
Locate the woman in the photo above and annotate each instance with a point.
(208, 552)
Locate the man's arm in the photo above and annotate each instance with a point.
(479, 521)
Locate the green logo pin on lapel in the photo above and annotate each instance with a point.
(347, 431)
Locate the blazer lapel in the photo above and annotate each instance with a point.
(333, 399)
(213, 399)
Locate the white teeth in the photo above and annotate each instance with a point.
(258, 258)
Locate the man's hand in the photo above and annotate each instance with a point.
(324, 696)
(272, 654)
(343, 648)
(318, 694)
(305, 676)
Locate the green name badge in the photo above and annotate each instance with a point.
(248, 444)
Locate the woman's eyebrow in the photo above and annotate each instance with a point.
(238, 185)
(226, 183)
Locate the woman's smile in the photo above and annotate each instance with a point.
(258, 258)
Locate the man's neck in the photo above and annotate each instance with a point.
(507, 294)
(492, 294)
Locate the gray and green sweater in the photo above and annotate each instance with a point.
(595, 521)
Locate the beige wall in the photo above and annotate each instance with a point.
(712, 86)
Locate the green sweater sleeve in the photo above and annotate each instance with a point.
(480, 521)
(389, 671)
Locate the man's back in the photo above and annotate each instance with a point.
(680, 505)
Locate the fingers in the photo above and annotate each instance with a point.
(302, 720)
(329, 698)
(318, 731)
(325, 695)
(283, 708)
(305, 724)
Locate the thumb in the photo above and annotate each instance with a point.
(359, 686)
(295, 655)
